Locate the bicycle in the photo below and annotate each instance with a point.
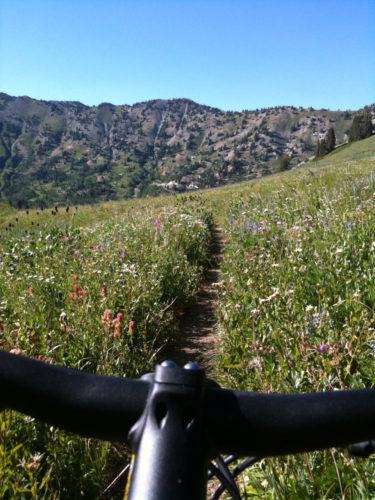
(177, 421)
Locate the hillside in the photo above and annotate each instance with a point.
(350, 152)
(108, 288)
(53, 152)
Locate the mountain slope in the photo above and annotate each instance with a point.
(53, 152)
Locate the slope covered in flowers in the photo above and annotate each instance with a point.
(296, 307)
(101, 289)
(97, 292)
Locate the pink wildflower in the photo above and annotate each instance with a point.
(107, 318)
(131, 327)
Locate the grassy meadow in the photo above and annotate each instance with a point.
(98, 289)
(101, 288)
(296, 304)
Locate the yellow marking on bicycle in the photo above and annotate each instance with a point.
(127, 488)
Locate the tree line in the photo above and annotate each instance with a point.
(361, 128)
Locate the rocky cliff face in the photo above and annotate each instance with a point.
(53, 152)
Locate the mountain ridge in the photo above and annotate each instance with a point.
(65, 151)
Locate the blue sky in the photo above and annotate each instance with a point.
(230, 54)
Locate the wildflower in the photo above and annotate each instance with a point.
(71, 297)
(76, 252)
(40, 357)
(322, 349)
(76, 289)
(31, 290)
(63, 318)
(104, 291)
(118, 325)
(309, 308)
(107, 318)
(33, 464)
(257, 364)
(76, 277)
(131, 327)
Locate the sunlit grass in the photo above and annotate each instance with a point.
(296, 307)
(100, 288)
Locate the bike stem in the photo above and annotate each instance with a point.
(170, 454)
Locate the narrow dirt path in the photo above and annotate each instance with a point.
(197, 335)
(197, 338)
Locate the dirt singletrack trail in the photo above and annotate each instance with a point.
(197, 337)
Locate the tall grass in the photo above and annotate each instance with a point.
(101, 289)
(296, 308)
(102, 296)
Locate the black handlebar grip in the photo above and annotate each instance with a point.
(268, 425)
(90, 405)
(364, 449)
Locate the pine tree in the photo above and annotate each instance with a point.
(327, 144)
(361, 126)
(354, 133)
(330, 140)
(366, 130)
(319, 149)
(283, 163)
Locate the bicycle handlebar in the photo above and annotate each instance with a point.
(235, 422)
(83, 403)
